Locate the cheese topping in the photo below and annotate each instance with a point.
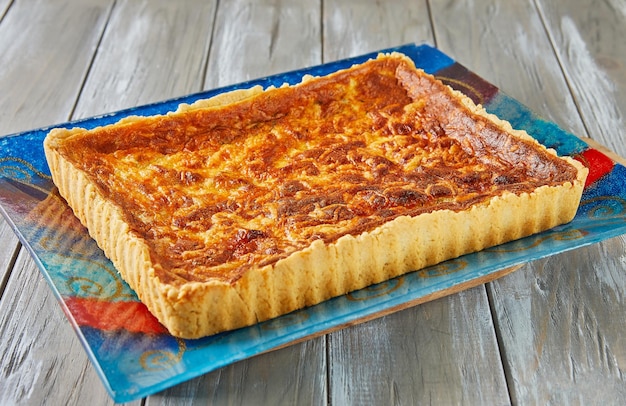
(215, 191)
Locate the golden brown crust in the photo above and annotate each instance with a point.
(354, 246)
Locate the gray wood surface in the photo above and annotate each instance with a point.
(355, 27)
(588, 38)
(159, 49)
(441, 352)
(254, 39)
(550, 333)
(45, 53)
(562, 327)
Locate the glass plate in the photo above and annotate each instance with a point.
(132, 352)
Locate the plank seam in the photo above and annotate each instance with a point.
(6, 10)
(93, 58)
(205, 68)
(501, 348)
(432, 22)
(11, 264)
(322, 30)
(328, 369)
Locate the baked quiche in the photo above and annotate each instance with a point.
(258, 202)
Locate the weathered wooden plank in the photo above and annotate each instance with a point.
(258, 38)
(443, 351)
(254, 39)
(563, 329)
(589, 41)
(150, 51)
(42, 361)
(505, 43)
(356, 27)
(45, 51)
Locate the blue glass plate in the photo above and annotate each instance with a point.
(133, 353)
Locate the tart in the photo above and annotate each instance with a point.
(258, 202)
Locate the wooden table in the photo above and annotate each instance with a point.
(553, 332)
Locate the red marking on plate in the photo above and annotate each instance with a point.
(598, 164)
(113, 316)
